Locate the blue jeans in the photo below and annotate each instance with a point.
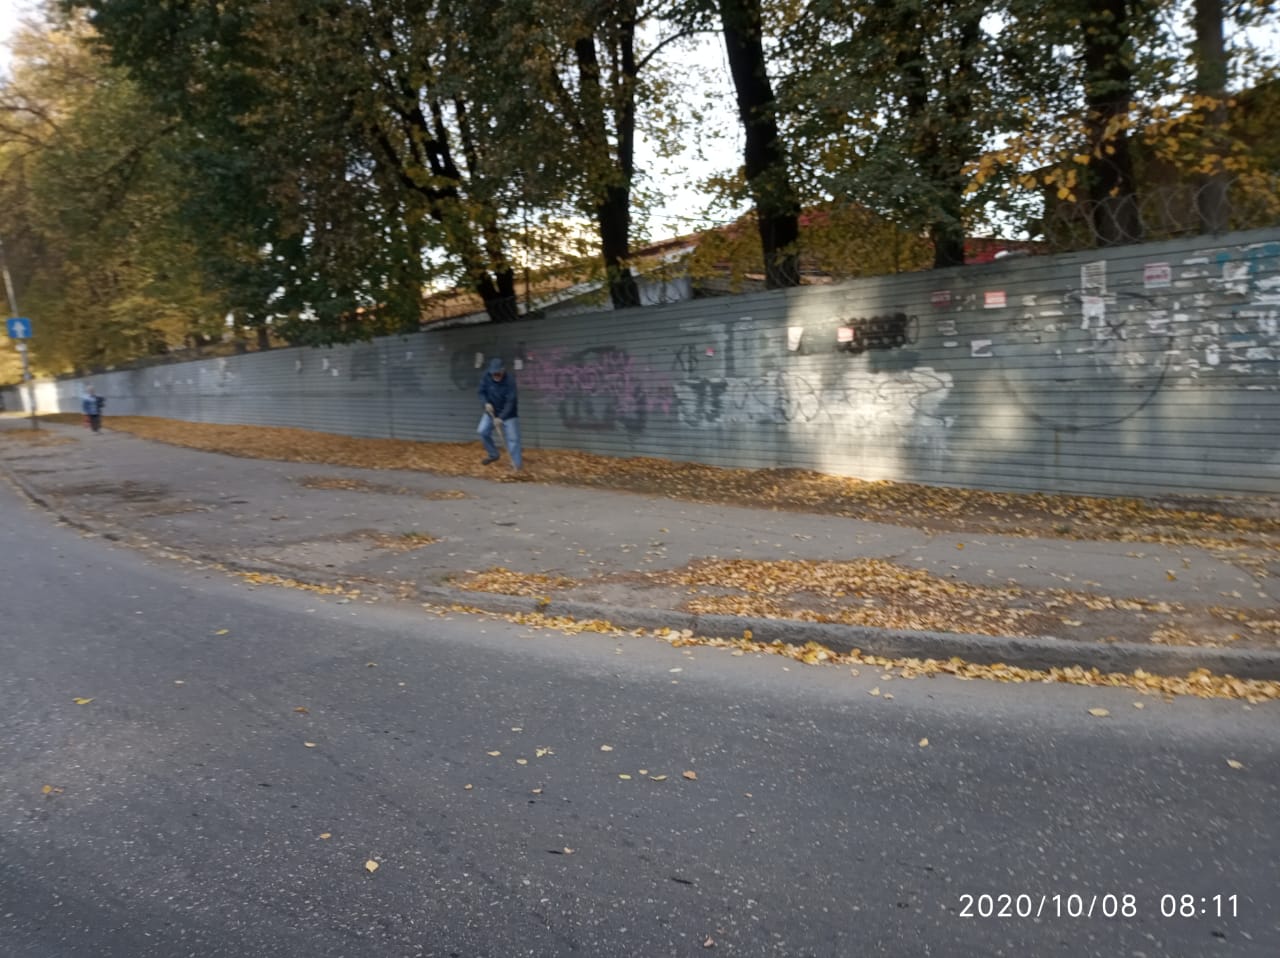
(511, 427)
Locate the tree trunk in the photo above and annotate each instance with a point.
(497, 288)
(765, 162)
(1211, 81)
(614, 219)
(1108, 86)
(957, 148)
(613, 190)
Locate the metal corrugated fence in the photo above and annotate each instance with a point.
(1139, 370)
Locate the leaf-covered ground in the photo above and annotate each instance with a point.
(879, 594)
(1212, 523)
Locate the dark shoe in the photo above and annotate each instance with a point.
(488, 459)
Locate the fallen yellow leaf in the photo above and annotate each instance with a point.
(1234, 764)
(568, 850)
(82, 701)
(47, 789)
(222, 632)
(522, 761)
(371, 866)
(309, 744)
(625, 778)
(495, 754)
(467, 788)
(606, 748)
(326, 835)
(1099, 713)
(657, 778)
(1139, 705)
(691, 776)
(924, 743)
(301, 709)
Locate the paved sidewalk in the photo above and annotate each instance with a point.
(613, 556)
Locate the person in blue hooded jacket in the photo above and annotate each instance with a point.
(91, 405)
(498, 393)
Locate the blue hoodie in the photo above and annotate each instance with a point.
(500, 395)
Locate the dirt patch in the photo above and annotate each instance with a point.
(127, 491)
(363, 485)
(403, 542)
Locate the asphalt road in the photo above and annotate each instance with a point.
(181, 811)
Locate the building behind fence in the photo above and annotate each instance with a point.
(1146, 369)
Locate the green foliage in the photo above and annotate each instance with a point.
(102, 261)
(887, 102)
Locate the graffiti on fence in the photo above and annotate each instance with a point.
(685, 360)
(904, 405)
(599, 388)
(769, 398)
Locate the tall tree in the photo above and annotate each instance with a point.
(92, 204)
(891, 102)
(1106, 44)
(765, 164)
(570, 85)
(1210, 55)
(359, 156)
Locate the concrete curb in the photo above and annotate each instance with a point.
(1041, 652)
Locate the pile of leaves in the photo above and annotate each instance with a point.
(404, 542)
(1214, 524)
(504, 581)
(879, 594)
(882, 594)
(1200, 683)
(876, 593)
(33, 437)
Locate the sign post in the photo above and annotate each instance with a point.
(19, 328)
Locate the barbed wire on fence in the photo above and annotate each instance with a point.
(1162, 212)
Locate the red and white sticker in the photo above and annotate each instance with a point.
(1157, 275)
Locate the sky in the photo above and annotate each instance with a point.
(10, 12)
